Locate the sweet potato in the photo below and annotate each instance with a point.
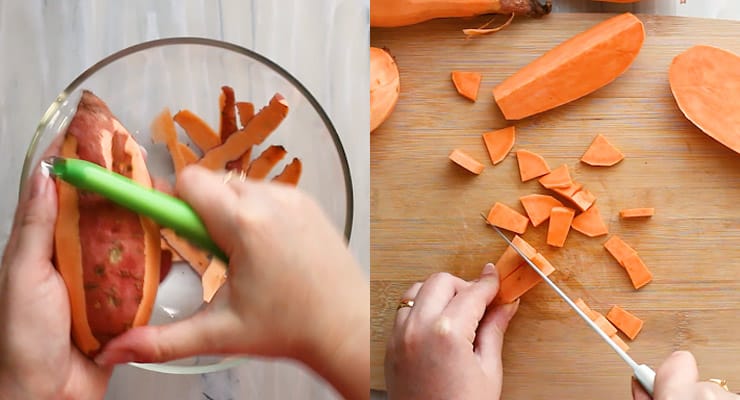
(538, 207)
(393, 13)
(590, 223)
(573, 69)
(644, 212)
(499, 143)
(510, 259)
(466, 83)
(507, 218)
(559, 226)
(625, 321)
(466, 161)
(705, 82)
(557, 178)
(108, 256)
(385, 86)
(601, 153)
(531, 165)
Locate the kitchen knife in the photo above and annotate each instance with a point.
(643, 373)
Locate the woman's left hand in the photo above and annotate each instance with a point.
(38, 359)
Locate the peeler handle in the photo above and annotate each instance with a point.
(166, 210)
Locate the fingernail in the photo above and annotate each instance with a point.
(109, 358)
(39, 183)
(488, 269)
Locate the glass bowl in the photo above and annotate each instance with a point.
(137, 83)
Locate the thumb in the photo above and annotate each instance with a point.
(490, 337)
(215, 202)
(207, 332)
(468, 307)
(638, 393)
(32, 239)
(677, 371)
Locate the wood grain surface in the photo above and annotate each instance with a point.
(425, 210)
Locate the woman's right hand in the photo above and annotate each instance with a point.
(678, 379)
(293, 290)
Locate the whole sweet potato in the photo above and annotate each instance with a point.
(108, 256)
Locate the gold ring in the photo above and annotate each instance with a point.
(405, 303)
(721, 382)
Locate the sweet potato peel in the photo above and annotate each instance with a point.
(229, 150)
(385, 86)
(254, 133)
(393, 13)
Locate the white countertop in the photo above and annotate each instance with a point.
(44, 45)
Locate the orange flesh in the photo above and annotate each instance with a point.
(560, 220)
(213, 278)
(510, 259)
(499, 143)
(467, 83)
(164, 131)
(531, 165)
(188, 155)
(569, 190)
(265, 162)
(466, 161)
(637, 271)
(625, 321)
(705, 81)
(521, 280)
(246, 112)
(573, 69)
(291, 174)
(538, 207)
(558, 178)
(636, 213)
(507, 218)
(256, 131)
(590, 223)
(583, 199)
(601, 153)
(197, 258)
(197, 130)
(618, 249)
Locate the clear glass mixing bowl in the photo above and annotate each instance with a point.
(179, 73)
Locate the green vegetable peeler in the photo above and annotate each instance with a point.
(167, 211)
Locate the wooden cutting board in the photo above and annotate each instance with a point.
(425, 210)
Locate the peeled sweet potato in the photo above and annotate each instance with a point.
(108, 256)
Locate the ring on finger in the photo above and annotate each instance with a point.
(721, 382)
(405, 303)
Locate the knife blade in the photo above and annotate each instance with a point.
(643, 373)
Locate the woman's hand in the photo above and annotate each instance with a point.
(678, 379)
(293, 290)
(448, 345)
(38, 359)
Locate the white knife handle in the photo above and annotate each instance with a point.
(646, 376)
